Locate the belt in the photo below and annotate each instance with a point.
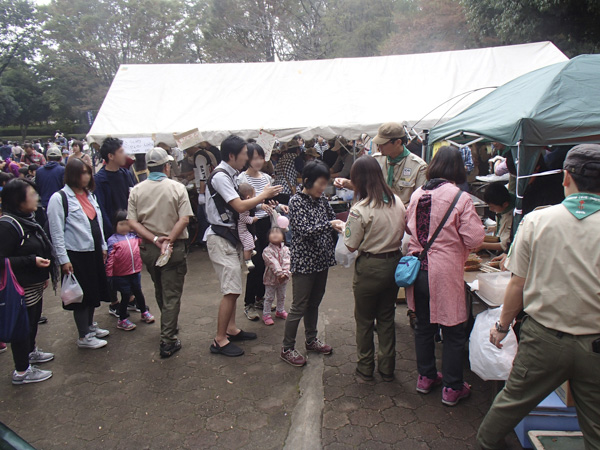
(387, 255)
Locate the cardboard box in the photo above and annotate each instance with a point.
(565, 394)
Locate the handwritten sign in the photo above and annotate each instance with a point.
(266, 140)
(137, 145)
(188, 139)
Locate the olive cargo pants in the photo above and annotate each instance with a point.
(544, 361)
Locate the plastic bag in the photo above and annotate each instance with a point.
(488, 361)
(71, 291)
(343, 256)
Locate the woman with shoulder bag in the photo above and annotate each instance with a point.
(29, 251)
(81, 248)
(438, 294)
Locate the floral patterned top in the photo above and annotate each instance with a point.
(313, 245)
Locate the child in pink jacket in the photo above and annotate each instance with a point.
(277, 274)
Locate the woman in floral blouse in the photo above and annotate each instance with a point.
(313, 226)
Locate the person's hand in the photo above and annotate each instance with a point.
(266, 207)
(502, 259)
(164, 247)
(496, 336)
(104, 255)
(342, 183)
(285, 209)
(159, 242)
(41, 262)
(254, 219)
(271, 191)
(67, 268)
(338, 225)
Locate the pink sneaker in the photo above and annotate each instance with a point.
(451, 397)
(425, 385)
(281, 315)
(268, 320)
(147, 317)
(318, 346)
(126, 325)
(2, 347)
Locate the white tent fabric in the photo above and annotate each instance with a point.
(326, 97)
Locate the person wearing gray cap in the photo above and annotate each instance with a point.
(159, 211)
(50, 178)
(555, 265)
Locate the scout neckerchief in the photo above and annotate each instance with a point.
(157, 176)
(582, 205)
(511, 206)
(393, 162)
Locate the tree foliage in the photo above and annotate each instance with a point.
(18, 31)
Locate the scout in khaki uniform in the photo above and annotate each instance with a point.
(555, 265)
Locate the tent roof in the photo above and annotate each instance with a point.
(558, 104)
(326, 97)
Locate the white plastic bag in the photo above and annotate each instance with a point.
(488, 361)
(343, 256)
(71, 291)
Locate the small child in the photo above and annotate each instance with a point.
(277, 274)
(247, 218)
(124, 267)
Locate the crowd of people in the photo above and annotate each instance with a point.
(103, 226)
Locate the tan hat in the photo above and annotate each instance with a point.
(312, 152)
(389, 131)
(54, 152)
(157, 157)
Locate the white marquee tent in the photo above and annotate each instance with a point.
(327, 97)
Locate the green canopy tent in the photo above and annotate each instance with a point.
(555, 105)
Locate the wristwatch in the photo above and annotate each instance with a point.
(499, 328)
(155, 239)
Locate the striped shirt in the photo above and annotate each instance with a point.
(34, 293)
(259, 185)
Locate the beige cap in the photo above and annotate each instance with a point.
(54, 151)
(389, 131)
(157, 157)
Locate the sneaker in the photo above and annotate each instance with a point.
(281, 315)
(42, 320)
(98, 332)
(31, 375)
(37, 356)
(425, 384)
(126, 325)
(268, 320)
(133, 307)
(91, 341)
(169, 349)
(251, 313)
(451, 397)
(259, 304)
(319, 347)
(293, 357)
(147, 317)
(113, 310)
(2, 347)
(249, 264)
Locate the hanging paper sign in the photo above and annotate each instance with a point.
(134, 146)
(266, 140)
(188, 139)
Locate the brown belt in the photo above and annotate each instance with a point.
(387, 255)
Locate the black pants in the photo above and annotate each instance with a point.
(84, 319)
(454, 340)
(22, 349)
(127, 285)
(255, 289)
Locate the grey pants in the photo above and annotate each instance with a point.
(308, 290)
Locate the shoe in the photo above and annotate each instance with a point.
(425, 384)
(364, 377)
(227, 350)
(169, 349)
(293, 357)
(281, 315)
(147, 317)
(37, 356)
(91, 341)
(451, 397)
(251, 313)
(319, 347)
(254, 253)
(31, 375)
(386, 377)
(2, 347)
(98, 332)
(113, 310)
(126, 325)
(268, 320)
(249, 265)
(133, 307)
(259, 304)
(43, 320)
(242, 336)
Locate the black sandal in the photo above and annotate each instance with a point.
(242, 336)
(227, 350)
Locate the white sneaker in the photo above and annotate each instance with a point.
(98, 332)
(38, 356)
(31, 375)
(91, 341)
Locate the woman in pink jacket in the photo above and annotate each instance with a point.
(438, 295)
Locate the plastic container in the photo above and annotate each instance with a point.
(492, 286)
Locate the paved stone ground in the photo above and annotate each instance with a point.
(124, 396)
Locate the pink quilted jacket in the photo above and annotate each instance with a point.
(123, 255)
(277, 263)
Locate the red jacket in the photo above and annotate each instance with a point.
(123, 255)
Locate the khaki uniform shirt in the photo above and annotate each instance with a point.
(409, 175)
(158, 205)
(559, 257)
(504, 228)
(375, 230)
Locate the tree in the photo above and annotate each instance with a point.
(18, 31)
(9, 108)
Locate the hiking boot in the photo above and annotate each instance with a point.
(126, 325)
(31, 375)
(425, 384)
(37, 356)
(169, 349)
(251, 313)
(293, 357)
(319, 347)
(451, 397)
(98, 332)
(91, 341)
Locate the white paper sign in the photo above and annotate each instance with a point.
(188, 139)
(266, 140)
(137, 145)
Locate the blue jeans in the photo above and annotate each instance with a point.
(128, 285)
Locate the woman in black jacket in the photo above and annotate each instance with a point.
(29, 251)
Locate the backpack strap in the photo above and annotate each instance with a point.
(17, 226)
(220, 203)
(65, 202)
